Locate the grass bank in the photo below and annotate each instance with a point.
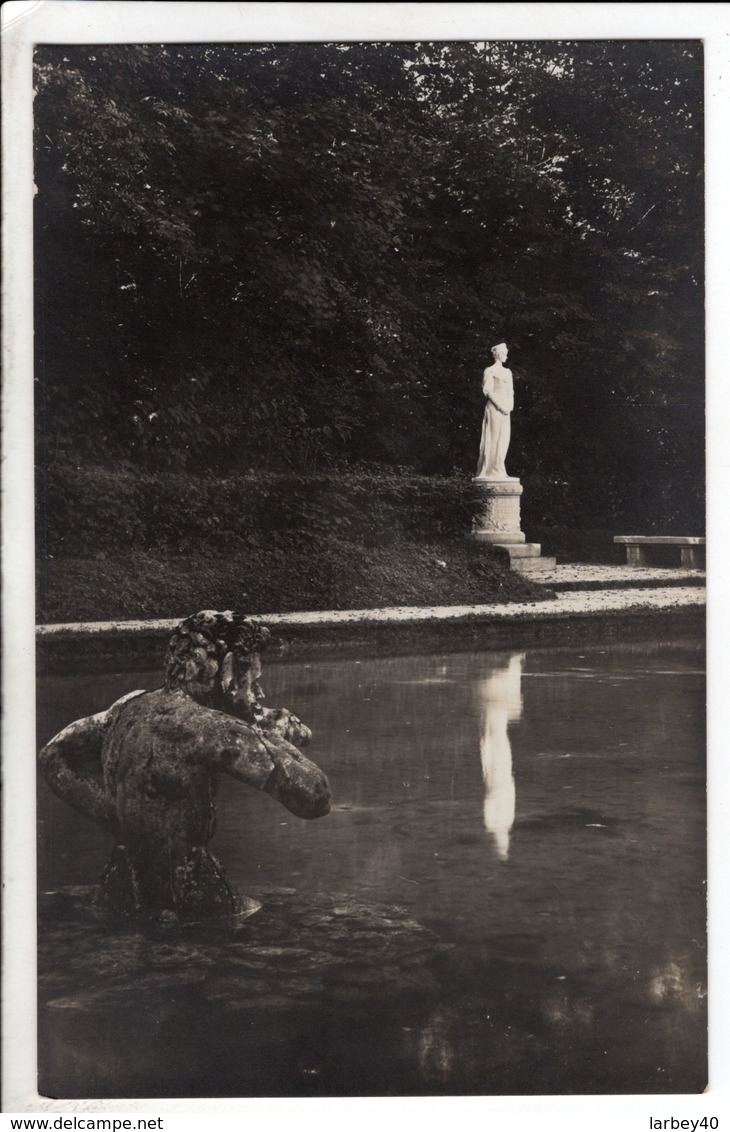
(287, 574)
(124, 544)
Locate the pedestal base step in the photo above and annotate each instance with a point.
(498, 538)
(526, 557)
(521, 549)
(527, 565)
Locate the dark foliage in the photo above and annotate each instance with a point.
(96, 509)
(295, 257)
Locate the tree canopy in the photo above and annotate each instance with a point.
(298, 255)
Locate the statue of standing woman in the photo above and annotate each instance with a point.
(497, 388)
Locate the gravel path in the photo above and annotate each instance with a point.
(565, 604)
(579, 575)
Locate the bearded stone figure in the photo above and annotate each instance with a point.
(147, 769)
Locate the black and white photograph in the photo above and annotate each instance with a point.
(369, 485)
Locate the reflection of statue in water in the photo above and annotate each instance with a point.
(147, 769)
(501, 703)
(498, 389)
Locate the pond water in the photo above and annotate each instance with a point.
(508, 896)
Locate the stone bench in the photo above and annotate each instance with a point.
(638, 549)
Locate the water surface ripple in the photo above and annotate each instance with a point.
(508, 896)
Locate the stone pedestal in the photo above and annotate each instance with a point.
(498, 520)
(498, 523)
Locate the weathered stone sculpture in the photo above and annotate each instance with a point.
(498, 389)
(147, 769)
(499, 517)
(498, 520)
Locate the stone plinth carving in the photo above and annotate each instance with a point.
(147, 769)
(498, 520)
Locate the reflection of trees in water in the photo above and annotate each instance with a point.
(501, 699)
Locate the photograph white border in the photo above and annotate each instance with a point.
(26, 23)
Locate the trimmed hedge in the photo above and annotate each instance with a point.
(87, 510)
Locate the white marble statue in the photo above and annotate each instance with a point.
(497, 388)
